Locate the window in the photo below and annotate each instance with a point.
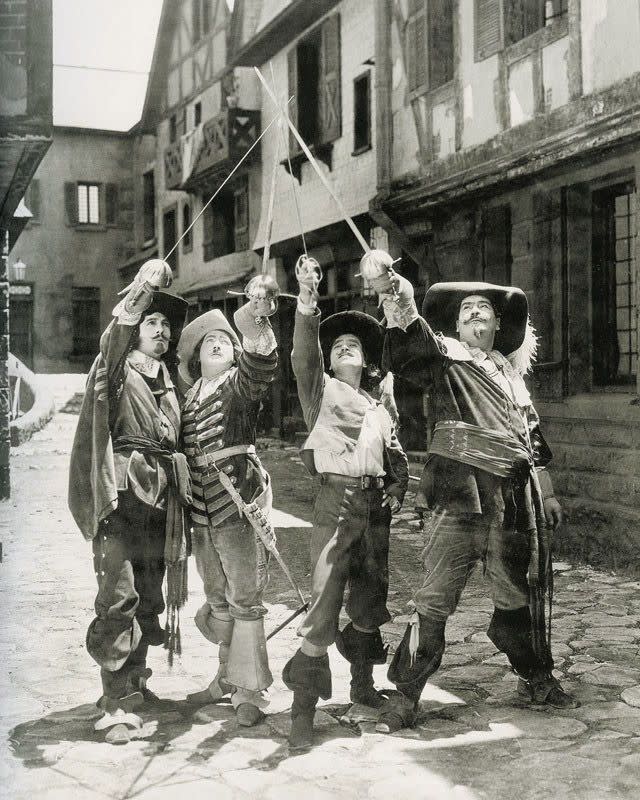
(187, 241)
(314, 79)
(88, 203)
(97, 204)
(429, 44)
(496, 245)
(173, 128)
(362, 113)
(149, 206)
(226, 223)
(500, 23)
(85, 314)
(615, 351)
(170, 237)
(32, 199)
(197, 114)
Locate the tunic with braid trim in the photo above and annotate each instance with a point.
(219, 417)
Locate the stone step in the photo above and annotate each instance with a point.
(591, 432)
(581, 457)
(598, 487)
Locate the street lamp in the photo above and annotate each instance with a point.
(19, 270)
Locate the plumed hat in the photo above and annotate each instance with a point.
(194, 333)
(442, 301)
(357, 323)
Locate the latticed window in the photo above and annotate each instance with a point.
(615, 332)
(88, 203)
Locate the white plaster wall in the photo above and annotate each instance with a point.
(480, 115)
(555, 74)
(271, 9)
(610, 31)
(521, 97)
(353, 178)
(444, 129)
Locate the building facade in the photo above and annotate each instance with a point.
(64, 267)
(319, 58)
(26, 99)
(508, 150)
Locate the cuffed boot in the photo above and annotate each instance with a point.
(510, 631)
(362, 649)
(218, 631)
(309, 679)
(409, 670)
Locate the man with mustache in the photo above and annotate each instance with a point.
(126, 485)
(363, 478)
(484, 483)
(225, 382)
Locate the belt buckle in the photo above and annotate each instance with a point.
(365, 482)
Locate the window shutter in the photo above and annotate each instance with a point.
(33, 198)
(330, 90)
(71, 202)
(487, 28)
(124, 203)
(416, 48)
(440, 42)
(292, 69)
(111, 203)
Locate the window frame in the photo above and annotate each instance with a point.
(187, 240)
(175, 257)
(88, 223)
(358, 149)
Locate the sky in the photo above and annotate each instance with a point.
(102, 53)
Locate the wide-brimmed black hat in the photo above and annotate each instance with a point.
(442, 301)
(357, 323)
(173, 307)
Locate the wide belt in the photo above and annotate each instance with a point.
(209, 460)
(488, 450)
(360, 482)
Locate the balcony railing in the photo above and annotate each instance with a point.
(200, 158)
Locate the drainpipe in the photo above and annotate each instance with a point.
(5, 404)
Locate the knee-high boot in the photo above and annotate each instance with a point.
(309, 678)
(362, 650)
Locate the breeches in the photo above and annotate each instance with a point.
(349, 546)
(233, 564)
(128, 559)
(457, 542)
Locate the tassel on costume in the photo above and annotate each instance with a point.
(414, 637)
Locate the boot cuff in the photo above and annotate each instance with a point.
(360, 647)
(308, 674)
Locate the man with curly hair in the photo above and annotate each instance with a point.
(126, 487)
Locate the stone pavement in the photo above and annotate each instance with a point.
(474, 739)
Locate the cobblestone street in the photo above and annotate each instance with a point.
(475, 739)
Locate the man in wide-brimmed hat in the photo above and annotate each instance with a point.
(484, 482)
(363, 479)
(226, 381)
(126, 488)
